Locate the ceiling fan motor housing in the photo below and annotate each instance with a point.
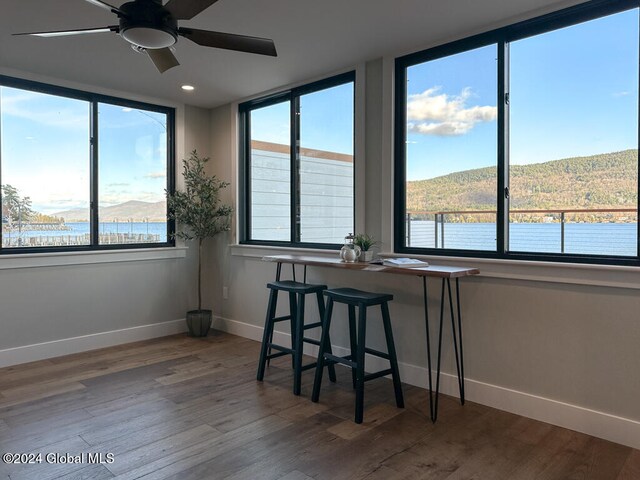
(147, 24)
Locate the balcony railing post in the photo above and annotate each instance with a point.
(435, 229)
(561, 232)
(408, 241)
(442, 229)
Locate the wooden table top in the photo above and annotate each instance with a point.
(430, 271)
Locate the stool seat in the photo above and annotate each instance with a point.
(352, 296)
(295, 287)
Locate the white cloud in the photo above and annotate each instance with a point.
(435, 113)
(155, 175)
(620, 94)
(46, 110)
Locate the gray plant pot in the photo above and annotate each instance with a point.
(198, 322)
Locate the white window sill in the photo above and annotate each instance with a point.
(550, 272)
(259, 251)
(54, 259)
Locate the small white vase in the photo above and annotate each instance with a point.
(366, 256)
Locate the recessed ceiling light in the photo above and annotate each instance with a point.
(188, 88)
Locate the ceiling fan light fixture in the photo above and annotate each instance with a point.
(150, 38)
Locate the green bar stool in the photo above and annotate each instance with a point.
(297, 292)
(357, 298)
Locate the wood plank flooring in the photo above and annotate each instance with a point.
(188, 409)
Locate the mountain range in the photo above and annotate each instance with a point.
(607, 180)
(134, 209)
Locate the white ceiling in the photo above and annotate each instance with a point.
(312, 37)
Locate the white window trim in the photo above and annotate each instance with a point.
(56, 259)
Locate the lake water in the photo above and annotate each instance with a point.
(158, 230)
(579, 238)
(618, 239)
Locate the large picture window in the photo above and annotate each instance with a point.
(523, 142)
(82, 171)
(298, 150)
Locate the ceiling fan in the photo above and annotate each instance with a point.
(150, 26)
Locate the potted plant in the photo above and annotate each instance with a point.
(199, 215)
(365, 242)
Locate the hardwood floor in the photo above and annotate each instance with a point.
(183, 408)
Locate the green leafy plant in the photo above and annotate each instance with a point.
(364, 241)
(197, 209)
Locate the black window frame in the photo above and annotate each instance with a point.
(501, 38)
(293, 96)
(94, 99)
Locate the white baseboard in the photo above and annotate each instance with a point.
(598, 424)
(57, 348)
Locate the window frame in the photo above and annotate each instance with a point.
(501, 37)
(293, 96)
(94, 99)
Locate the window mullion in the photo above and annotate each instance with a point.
(502, 219)
(638, 166)
(245, 177)
(1, 226)
(295, 169)
(93, 209)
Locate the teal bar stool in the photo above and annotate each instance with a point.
(297, 292)
(362, 300)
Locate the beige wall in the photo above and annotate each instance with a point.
(51, 303)
(563, 342)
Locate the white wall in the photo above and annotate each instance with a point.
(77, 302)
(561, 352)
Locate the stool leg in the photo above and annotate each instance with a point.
(292, 310)
(297, 355)
(268, 333)
(331, 367)
(271, 335)
(324, 341)
(393, 359)
(269, 352)
(362, 328)
(353, 341)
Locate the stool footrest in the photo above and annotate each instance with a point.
(280, 348)
(311, 341)
(313, 325)
(377, 353)
(282, 319)
(276, 355)
(379, 374)
(310, 366)
(341, 360)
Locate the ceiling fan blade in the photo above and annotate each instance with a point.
(187, 9)
(163, 59)
(230, 41)
(65, 33)
(105, 5)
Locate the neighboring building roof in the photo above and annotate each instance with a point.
(305, 152)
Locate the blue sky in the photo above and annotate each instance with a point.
(573, 92)
(45, 151)
(326, 120)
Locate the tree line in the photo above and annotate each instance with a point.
(17, 210)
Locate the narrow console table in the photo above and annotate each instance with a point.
(443, 272)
